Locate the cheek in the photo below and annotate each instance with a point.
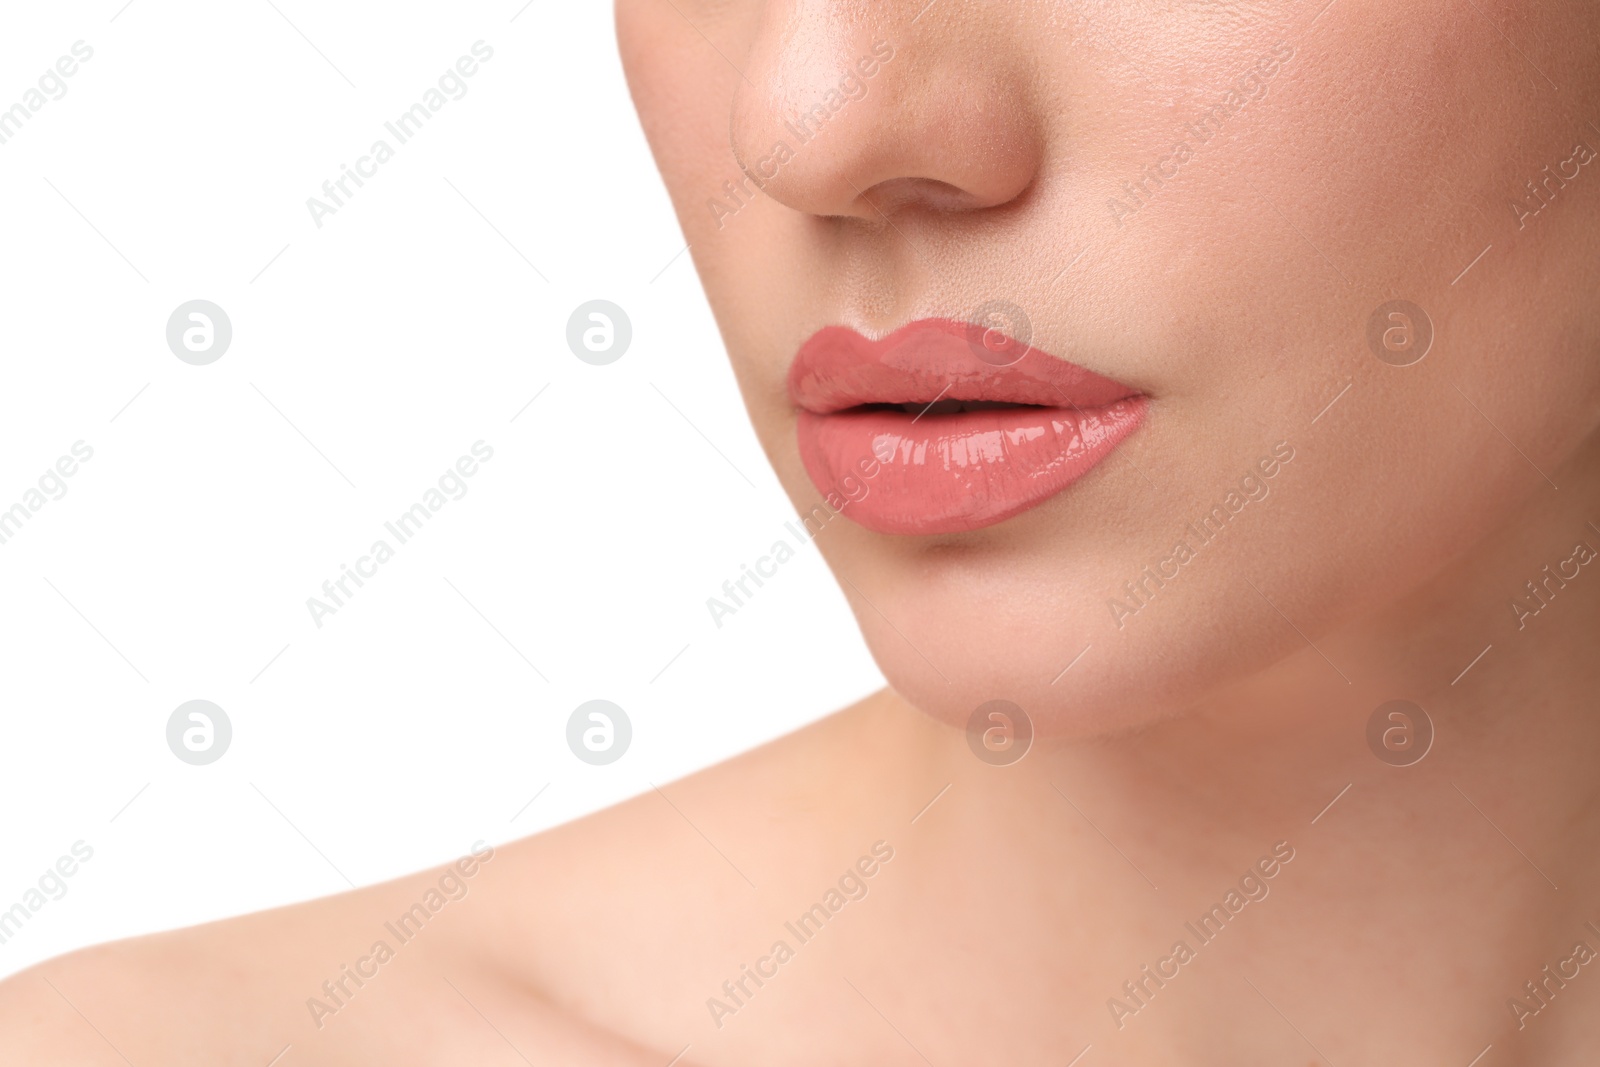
(1379, 164)
(684, 94)
(1384, 167)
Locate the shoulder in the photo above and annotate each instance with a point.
(587, 943)
(380, 975)
(641, 912)
(694, 842)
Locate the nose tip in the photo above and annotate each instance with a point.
(866, 128)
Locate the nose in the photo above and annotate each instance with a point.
(863, 117)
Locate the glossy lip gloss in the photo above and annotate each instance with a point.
(920, 433)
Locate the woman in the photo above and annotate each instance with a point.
(1197, 403)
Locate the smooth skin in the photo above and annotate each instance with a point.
(1226, 717)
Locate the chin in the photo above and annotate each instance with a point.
(954, 626)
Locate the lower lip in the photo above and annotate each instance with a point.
(899, 473)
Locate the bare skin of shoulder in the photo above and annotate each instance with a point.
(599, 942)
(866, 891)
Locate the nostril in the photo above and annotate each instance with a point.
(898, 193)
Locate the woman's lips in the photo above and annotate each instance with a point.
(916, 433)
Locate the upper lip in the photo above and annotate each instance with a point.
(931, 360)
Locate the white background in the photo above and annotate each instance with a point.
(178, 563)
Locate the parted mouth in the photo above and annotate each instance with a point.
(920, 432)
(943, 407)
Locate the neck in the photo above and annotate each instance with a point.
(1423, 898)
